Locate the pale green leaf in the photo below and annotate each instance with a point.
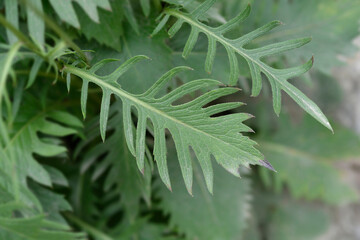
(52, 203)
(90, 7)
(190, 124)
(298, 220)
(65, 10)
(36, 25)
(326, 21)
(278, 78)
(35, 228)
(25, 141)
(12, 16)
(306, 164)
(109, 28)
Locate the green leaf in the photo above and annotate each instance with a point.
(36, 25)
(25, 141)
(34, 228)
(6, 61)
(38, 61)
(223, 214)
(298, 220)
(12, 16)
(134, 44)
(278, 78)
(326, 21)
(108, 30)
(122, 177)
(190, 124)
(145, 5)
(212, 14)
(130, 16)
(66, 12)
(306, 164)
(52, 203)
(64, 9)
(56, 176)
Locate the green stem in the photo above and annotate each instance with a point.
(87, 227)
(25, 40)
(3, 76)
(157, 5)
(50, 23)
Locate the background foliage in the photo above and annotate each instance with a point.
(151, 171)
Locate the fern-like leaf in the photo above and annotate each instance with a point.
(190, 124)
(278, 78)
(31, 227)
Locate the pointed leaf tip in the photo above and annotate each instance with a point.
(190, 192)
(266, 163)
(328, 126)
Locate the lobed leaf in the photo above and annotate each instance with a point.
(33, 228)
(190, 124)
(278, 78)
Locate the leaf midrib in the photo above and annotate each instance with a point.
(220, 39)
(223, 41)
(99, 82)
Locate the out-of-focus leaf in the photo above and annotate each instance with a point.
(25, 141)
(63, 8)
(130, 16)
(56, 176)
(133, 44)
(66, 12)
(332, 25)
(109, 28)
(213, 12)
(123, 180)
(36, 25)
(32, 228)
(205, 216)
(12, 16)
(196, 61)
(304, 157)
(297, 221)
(145, 5)
(52, 203)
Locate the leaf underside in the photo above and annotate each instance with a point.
(190, 124)
(278, 78)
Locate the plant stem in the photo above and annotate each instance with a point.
(88, 228)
